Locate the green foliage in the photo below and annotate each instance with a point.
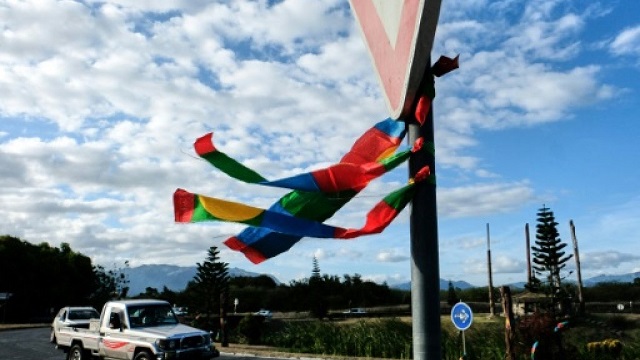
(549, 258)
(249, 330)
(475, 294)
(318, 292)
(392, 338)
(612, 291)
(42, 278)
(452, 297)
(381, 338)
(483, 341)
(110, 284)
(209, 288)
(259, 282)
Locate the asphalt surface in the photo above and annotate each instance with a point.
(28, 344)
(33, 344)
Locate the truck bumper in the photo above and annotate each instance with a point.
(189, 355)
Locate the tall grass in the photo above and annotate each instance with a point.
(483, 341)
(389, 338)
(392, 338)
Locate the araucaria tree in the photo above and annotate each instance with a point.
(317, 292)
(211, 282)
(548, 256)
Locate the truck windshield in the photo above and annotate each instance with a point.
(151, 315)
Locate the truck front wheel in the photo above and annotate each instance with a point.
(76, 353)
(143, 355)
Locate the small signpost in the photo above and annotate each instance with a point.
(462, 318)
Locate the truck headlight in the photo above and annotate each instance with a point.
(167, 344)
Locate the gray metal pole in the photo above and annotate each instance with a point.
(425, 268)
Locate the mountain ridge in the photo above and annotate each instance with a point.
(176, 278)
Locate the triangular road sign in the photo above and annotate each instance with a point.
(399, 35)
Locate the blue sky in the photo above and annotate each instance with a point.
(102, 101)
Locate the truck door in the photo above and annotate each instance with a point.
(114, 342)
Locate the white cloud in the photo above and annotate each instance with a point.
(392, 255)
(107, 98)
(627, 42)
(612, 259)
(500, 264)
(483, 199)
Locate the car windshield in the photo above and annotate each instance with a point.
(84, 314)
(151, 315)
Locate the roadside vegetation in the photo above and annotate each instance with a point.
(598, 337)
(308, 314)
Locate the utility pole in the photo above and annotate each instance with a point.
(528, 241)
(491, 304)
(579, 273)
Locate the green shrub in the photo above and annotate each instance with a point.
(249, 330)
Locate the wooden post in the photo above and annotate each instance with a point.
(528, 241)
(491, 303)
(576, 254)
(509, 332)
(224, 297)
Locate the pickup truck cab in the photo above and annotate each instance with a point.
(136, 330)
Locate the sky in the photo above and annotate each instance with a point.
(101, 102)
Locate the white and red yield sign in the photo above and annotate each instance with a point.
(399, 35)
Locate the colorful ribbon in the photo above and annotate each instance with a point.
(191, 207)
(335, 178)
(259, 244)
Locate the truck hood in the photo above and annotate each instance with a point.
(167, 331)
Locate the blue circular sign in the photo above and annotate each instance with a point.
(461, 316)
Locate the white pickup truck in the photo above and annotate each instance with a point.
(135, 330)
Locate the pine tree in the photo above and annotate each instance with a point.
(317, 301)
(548, 256)
(212, 281)
(452, 297)
(315, 270)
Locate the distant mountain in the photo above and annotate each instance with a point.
(593, 281)
(517, 285)
(444, 285)
(623, 278)
(174, 277)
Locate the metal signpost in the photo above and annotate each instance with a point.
(462, 318)
(399, 35)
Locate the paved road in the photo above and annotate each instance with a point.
(28, 344)
(33, 344)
